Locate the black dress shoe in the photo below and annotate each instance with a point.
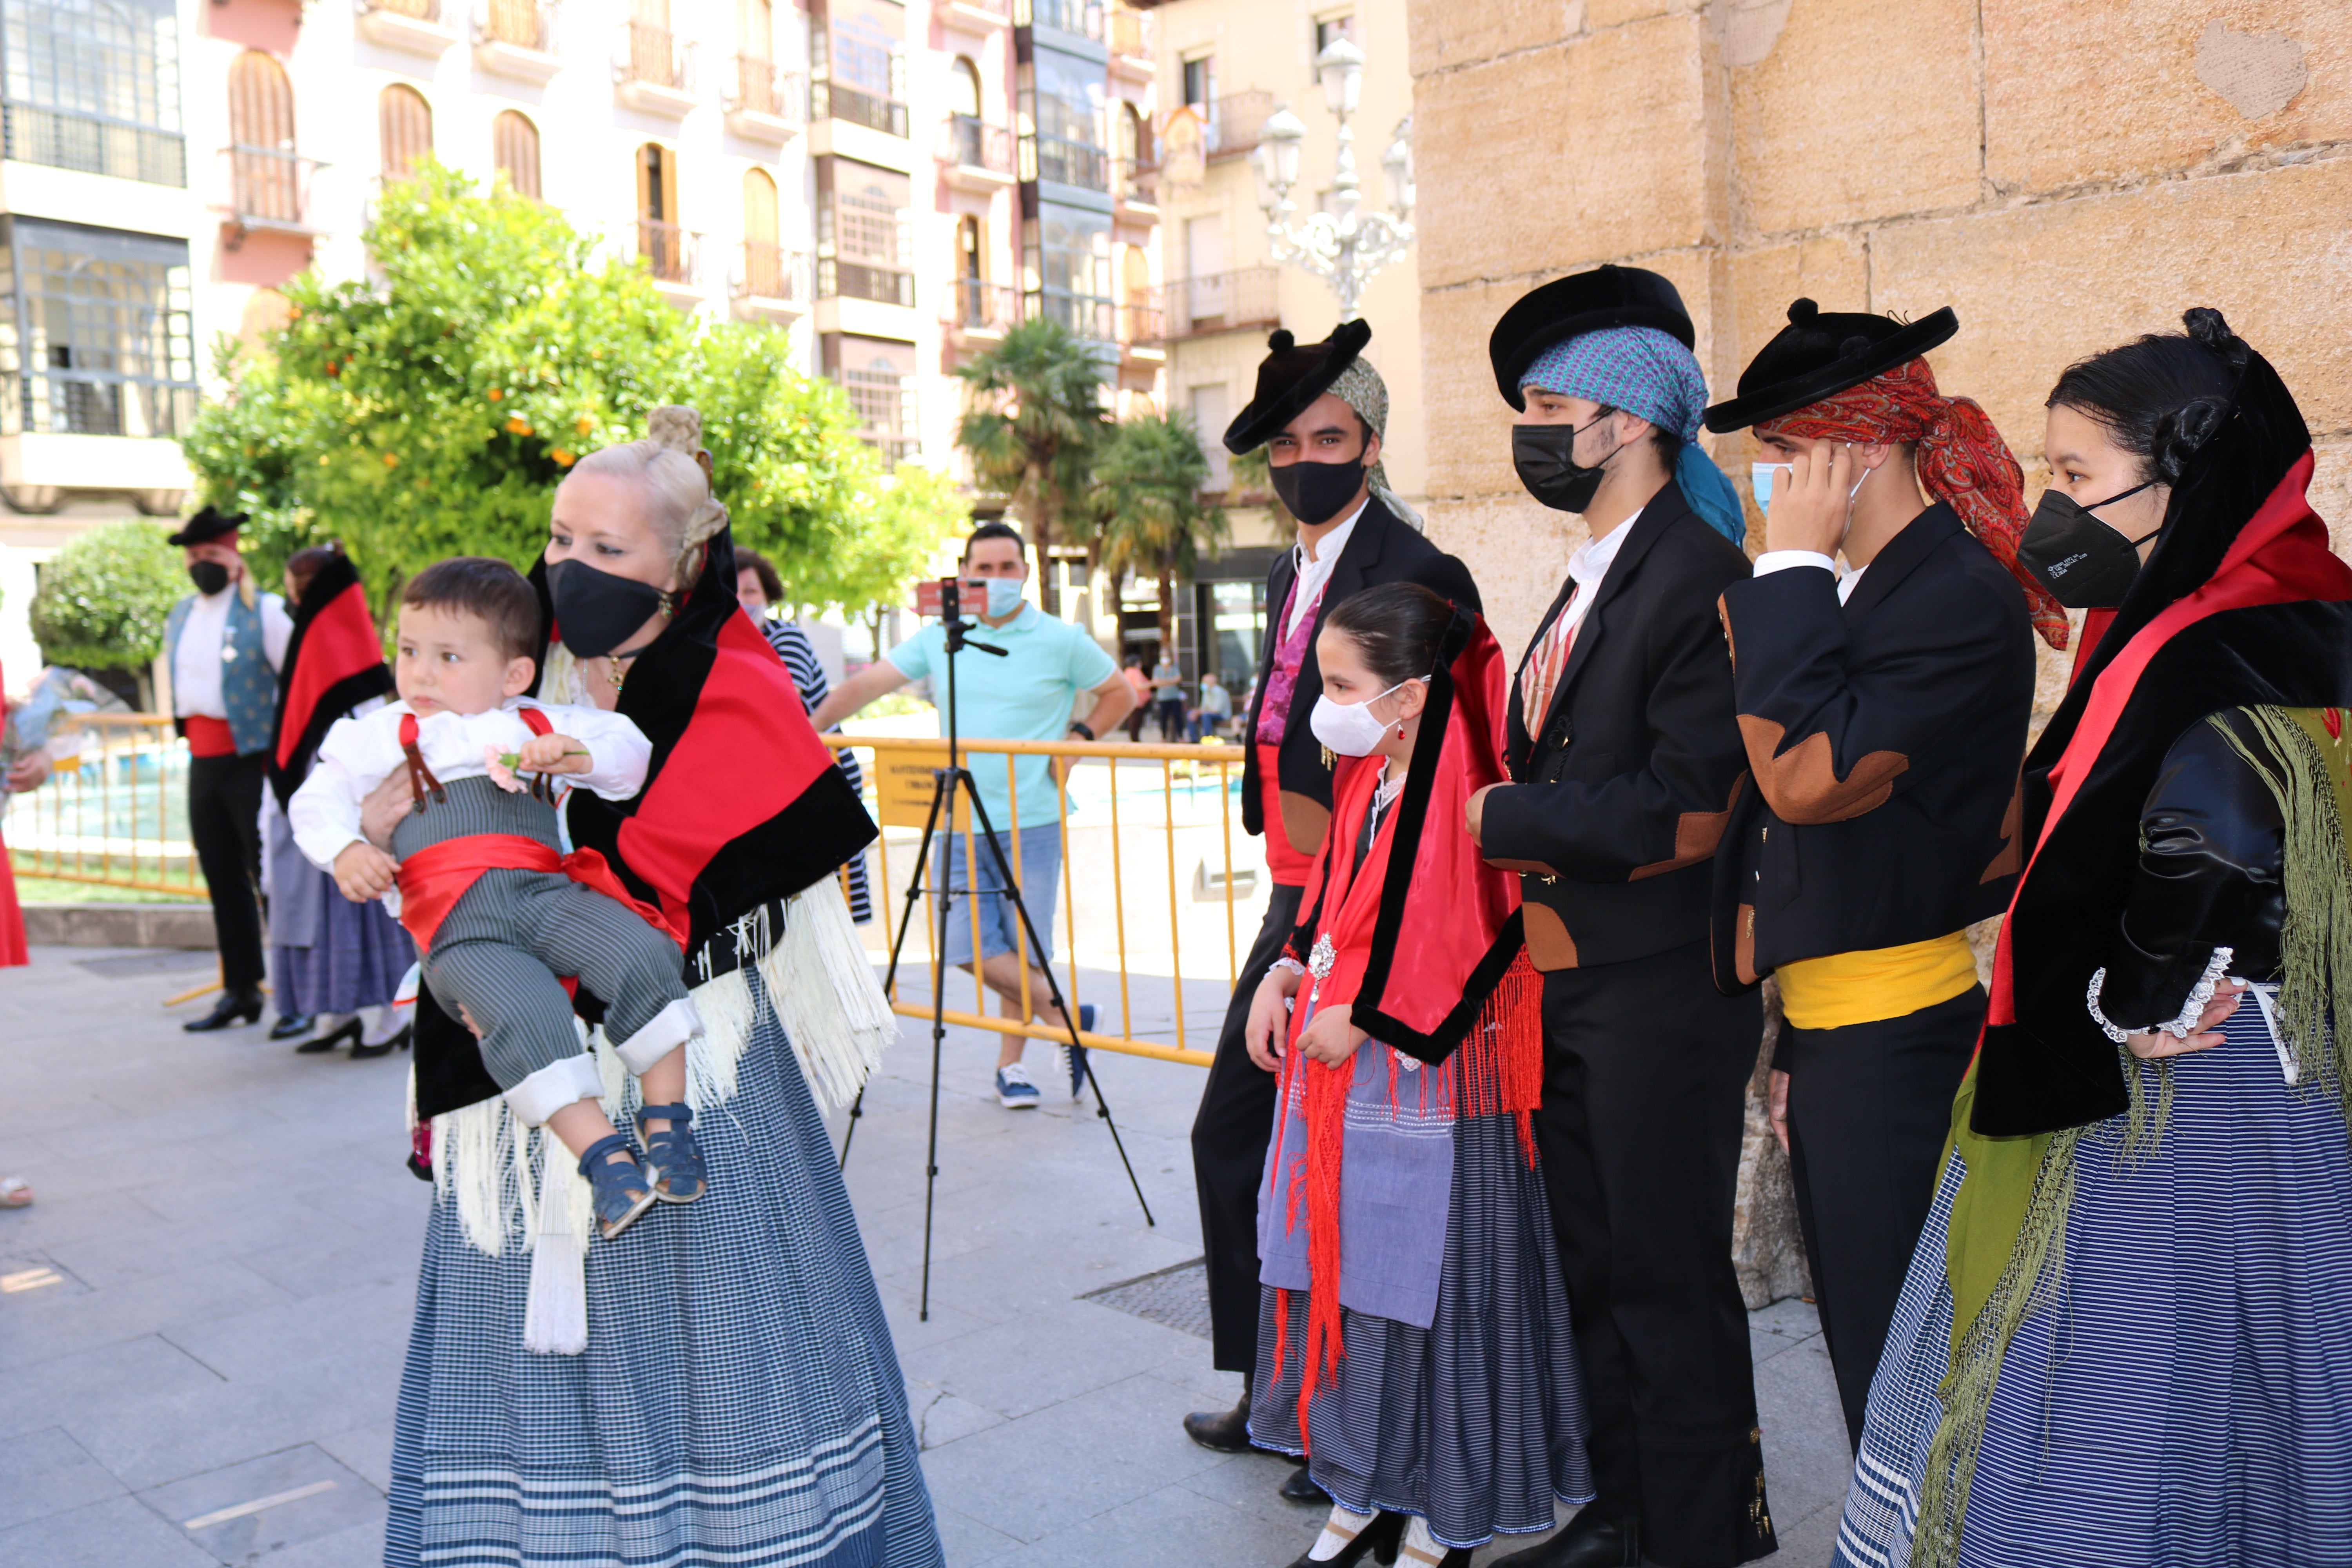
(1589, 1540)
(233, 1007)
(399, 1042)
(348, 1029)
(1227, 1431)
(1301, 1487)
(1380, 1538)
(290, 1025)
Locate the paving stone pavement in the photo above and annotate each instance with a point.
(201, 1316)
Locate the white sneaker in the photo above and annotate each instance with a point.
(1014, 1089)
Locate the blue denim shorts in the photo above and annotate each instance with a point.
(1039, 864)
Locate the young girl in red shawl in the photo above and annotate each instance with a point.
(1415, 1346)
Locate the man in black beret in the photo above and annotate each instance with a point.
(1320, 410)
(223, 645)
(1884, 679)
(1625, 759)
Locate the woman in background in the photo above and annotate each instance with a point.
(759, 590)
(335, 964)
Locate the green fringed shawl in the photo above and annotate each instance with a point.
(2005, 1248)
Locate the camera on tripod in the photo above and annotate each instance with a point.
(944, 596)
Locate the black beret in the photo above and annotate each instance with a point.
(1290, 378)
(1821, 353)
(207, 524)
(1572, 306)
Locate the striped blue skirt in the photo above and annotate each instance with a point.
(355, 958)
(739, 1403)
(1475, 1423)
(2185, 1396)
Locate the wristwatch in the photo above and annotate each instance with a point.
(1078, 728)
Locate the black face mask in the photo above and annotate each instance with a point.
(2086, 564)
(209, 576)
(596, 612)
(1545, 456)
(1315, 491)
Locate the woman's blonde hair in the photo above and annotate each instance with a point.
(674, 471)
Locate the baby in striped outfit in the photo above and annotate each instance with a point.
(502, 917)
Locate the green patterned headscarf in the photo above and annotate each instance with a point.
(1360, 386)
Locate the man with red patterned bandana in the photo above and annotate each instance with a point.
(1882, 664)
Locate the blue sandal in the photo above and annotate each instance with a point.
(623, 1189)
(673, 1156)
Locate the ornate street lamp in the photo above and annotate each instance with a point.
(1341, 246)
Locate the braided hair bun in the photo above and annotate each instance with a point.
(675, 472)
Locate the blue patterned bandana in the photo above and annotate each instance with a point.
(1650, 375)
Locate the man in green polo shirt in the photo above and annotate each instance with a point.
(1030, 694)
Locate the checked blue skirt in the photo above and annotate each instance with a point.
(739, 1403)
(2185, 1396)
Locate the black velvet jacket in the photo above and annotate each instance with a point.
(1883, 737)
(2211, 859)
(1383, 548)
(1626, 784)
(2053, 1067)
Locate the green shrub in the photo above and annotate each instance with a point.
(104, 600)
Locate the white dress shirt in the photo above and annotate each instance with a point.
(1782, 560)
(360, 754)
(203, 644)
(1313, 574)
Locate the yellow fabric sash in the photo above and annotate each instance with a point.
(1842, 988)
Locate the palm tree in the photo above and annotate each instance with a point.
(1147, 493)
(1036, 419)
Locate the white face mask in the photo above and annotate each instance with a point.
(1348, 728)
(1759, 480)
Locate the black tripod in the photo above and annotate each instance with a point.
(947, 782)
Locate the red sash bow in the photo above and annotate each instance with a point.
(433, 879)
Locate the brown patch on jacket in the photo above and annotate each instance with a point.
(2012, 823)
(1800, 784)
(1304, 823)
(1549, 946)
(1697, 834)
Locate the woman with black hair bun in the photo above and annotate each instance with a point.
(2125, 1336)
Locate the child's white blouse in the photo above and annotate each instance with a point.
(360, 754)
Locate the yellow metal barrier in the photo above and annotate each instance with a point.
(1183, 793)
(116, 815)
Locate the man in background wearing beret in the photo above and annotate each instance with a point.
(223, 645)
(1320, 410)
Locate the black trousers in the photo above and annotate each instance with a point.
(225, 822)
(1229, 1138)
(1645, 1073)
(1869, 1107)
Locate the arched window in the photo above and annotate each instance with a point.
(261, 132)
(969, 258)
(964, 88)
(763, 254)
(660, 240)
(514, 146)
(404, 123)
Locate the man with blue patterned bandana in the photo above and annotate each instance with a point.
(223, 646)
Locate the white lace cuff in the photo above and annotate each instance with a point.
(1286, 961)
(2179, 1027)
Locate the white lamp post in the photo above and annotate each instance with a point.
(1342, 247)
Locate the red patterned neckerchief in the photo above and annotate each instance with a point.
(1961, 459)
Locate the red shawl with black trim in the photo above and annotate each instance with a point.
(334, 662)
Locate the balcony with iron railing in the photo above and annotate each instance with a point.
(975, 155)
(653, 70)
(1081, 19)
(517, 39)
(267, 190)
(1065, 162)
(1142, 322)
(673, 254)
(1089, 316)
(857, 277)
(1135, 182)
(838, 101)
(415, 25)
(1222, 303)
(763, 102)
(769, 282)
(981, 311)
(1235, 122)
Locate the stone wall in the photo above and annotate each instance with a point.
(2066, 173)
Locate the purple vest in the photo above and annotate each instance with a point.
(1289, 654)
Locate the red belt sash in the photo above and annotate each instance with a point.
(1287, 865)
(435, 878)
(208, 737)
